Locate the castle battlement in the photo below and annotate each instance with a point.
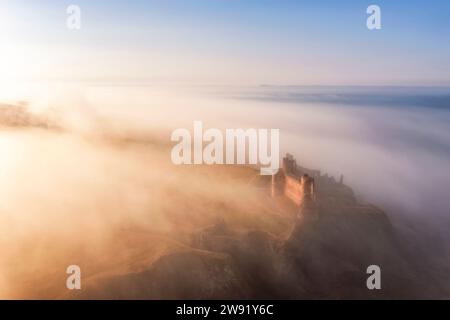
(296, 183)
(306, 187)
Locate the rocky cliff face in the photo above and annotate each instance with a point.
(324, 256)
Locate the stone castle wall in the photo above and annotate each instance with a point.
(293, 190)
(307, 188)
(295, 184)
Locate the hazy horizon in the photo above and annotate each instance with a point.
(234, 42)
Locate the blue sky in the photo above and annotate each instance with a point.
(232, 41)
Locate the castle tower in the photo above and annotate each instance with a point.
(289, 164)
(308, 206)
(307, 187)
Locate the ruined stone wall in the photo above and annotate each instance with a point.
(293, 190)
(299, 189)
(307, 188)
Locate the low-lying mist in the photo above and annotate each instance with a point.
(71, 190)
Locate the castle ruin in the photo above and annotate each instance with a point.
(306, 187)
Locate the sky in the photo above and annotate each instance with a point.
(280, 42)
